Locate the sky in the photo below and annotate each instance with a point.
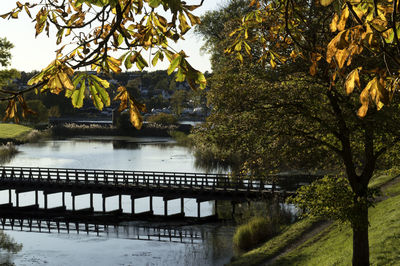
(30, 53)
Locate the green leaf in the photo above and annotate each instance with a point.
(141, 62)
(103, 94)
(174, 63)
(326, 2)
(104, 83)
(128, 63)
(78, 95)
(154, 3)
(120, 39)
(95, 97)
(155, 58)
(180, 75)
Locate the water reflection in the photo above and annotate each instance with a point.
(137, 154)
(122, 144)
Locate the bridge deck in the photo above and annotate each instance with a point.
(138, 183)
(141, 183)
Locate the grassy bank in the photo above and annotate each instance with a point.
(333, 244)
(14, 131)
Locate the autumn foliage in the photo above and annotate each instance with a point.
(91, 32)
(356, 28)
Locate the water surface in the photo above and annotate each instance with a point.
(119, 153)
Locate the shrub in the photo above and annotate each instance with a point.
(181, 138)
(41, 112)
(254, 232)
(7, 152)
(163, 119)
(35, 135)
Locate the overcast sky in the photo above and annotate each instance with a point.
(32, 53)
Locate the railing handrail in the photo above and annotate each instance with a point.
(148, 178)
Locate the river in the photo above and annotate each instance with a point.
(119, 153)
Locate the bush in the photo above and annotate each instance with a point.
(254, 232)
(181, 138)
(36, 135)
(41, 112)
(162, 119)
(7, 152)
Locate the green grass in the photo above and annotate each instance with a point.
(254, 232)
(13, 131)
(275, 245)
(333, 246)
(384, 177)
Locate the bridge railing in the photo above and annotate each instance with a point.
(143, 178)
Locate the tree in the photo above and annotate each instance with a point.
(133, 87)
(308, 108)
(178, 101)
(89, 31)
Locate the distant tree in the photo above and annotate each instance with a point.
(41, 113)
(178, 101)
(133, 87)
(157, 101)
(162, 119)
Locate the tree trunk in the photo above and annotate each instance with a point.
(360, 236)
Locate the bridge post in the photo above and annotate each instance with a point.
(36, 198)
(9, 196)
(17, 197)
(45, 200)
(104, 203)
(233, 209)
(165, 207)
(73, 202)
(91, 201)
(198, 209)
(63, 199)
(216, 207)
(120, 201)
(182, 205)
(151, 204)
(132, 204)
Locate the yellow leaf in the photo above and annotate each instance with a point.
(11, 110)
(333, 25)
(364, 96)
(337, 41)
(343, 19)
(123, 97)
(66, 81)
(183, 25)
(273, 63)
(341, 56)
(352, 81)
(363, 110)
(313, 68)
(135, 116)
(293, 55)
(326, 2)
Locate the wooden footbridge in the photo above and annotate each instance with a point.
(138, 184)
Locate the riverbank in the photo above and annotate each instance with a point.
(13, 133)
(309, 242)
(147, 130)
